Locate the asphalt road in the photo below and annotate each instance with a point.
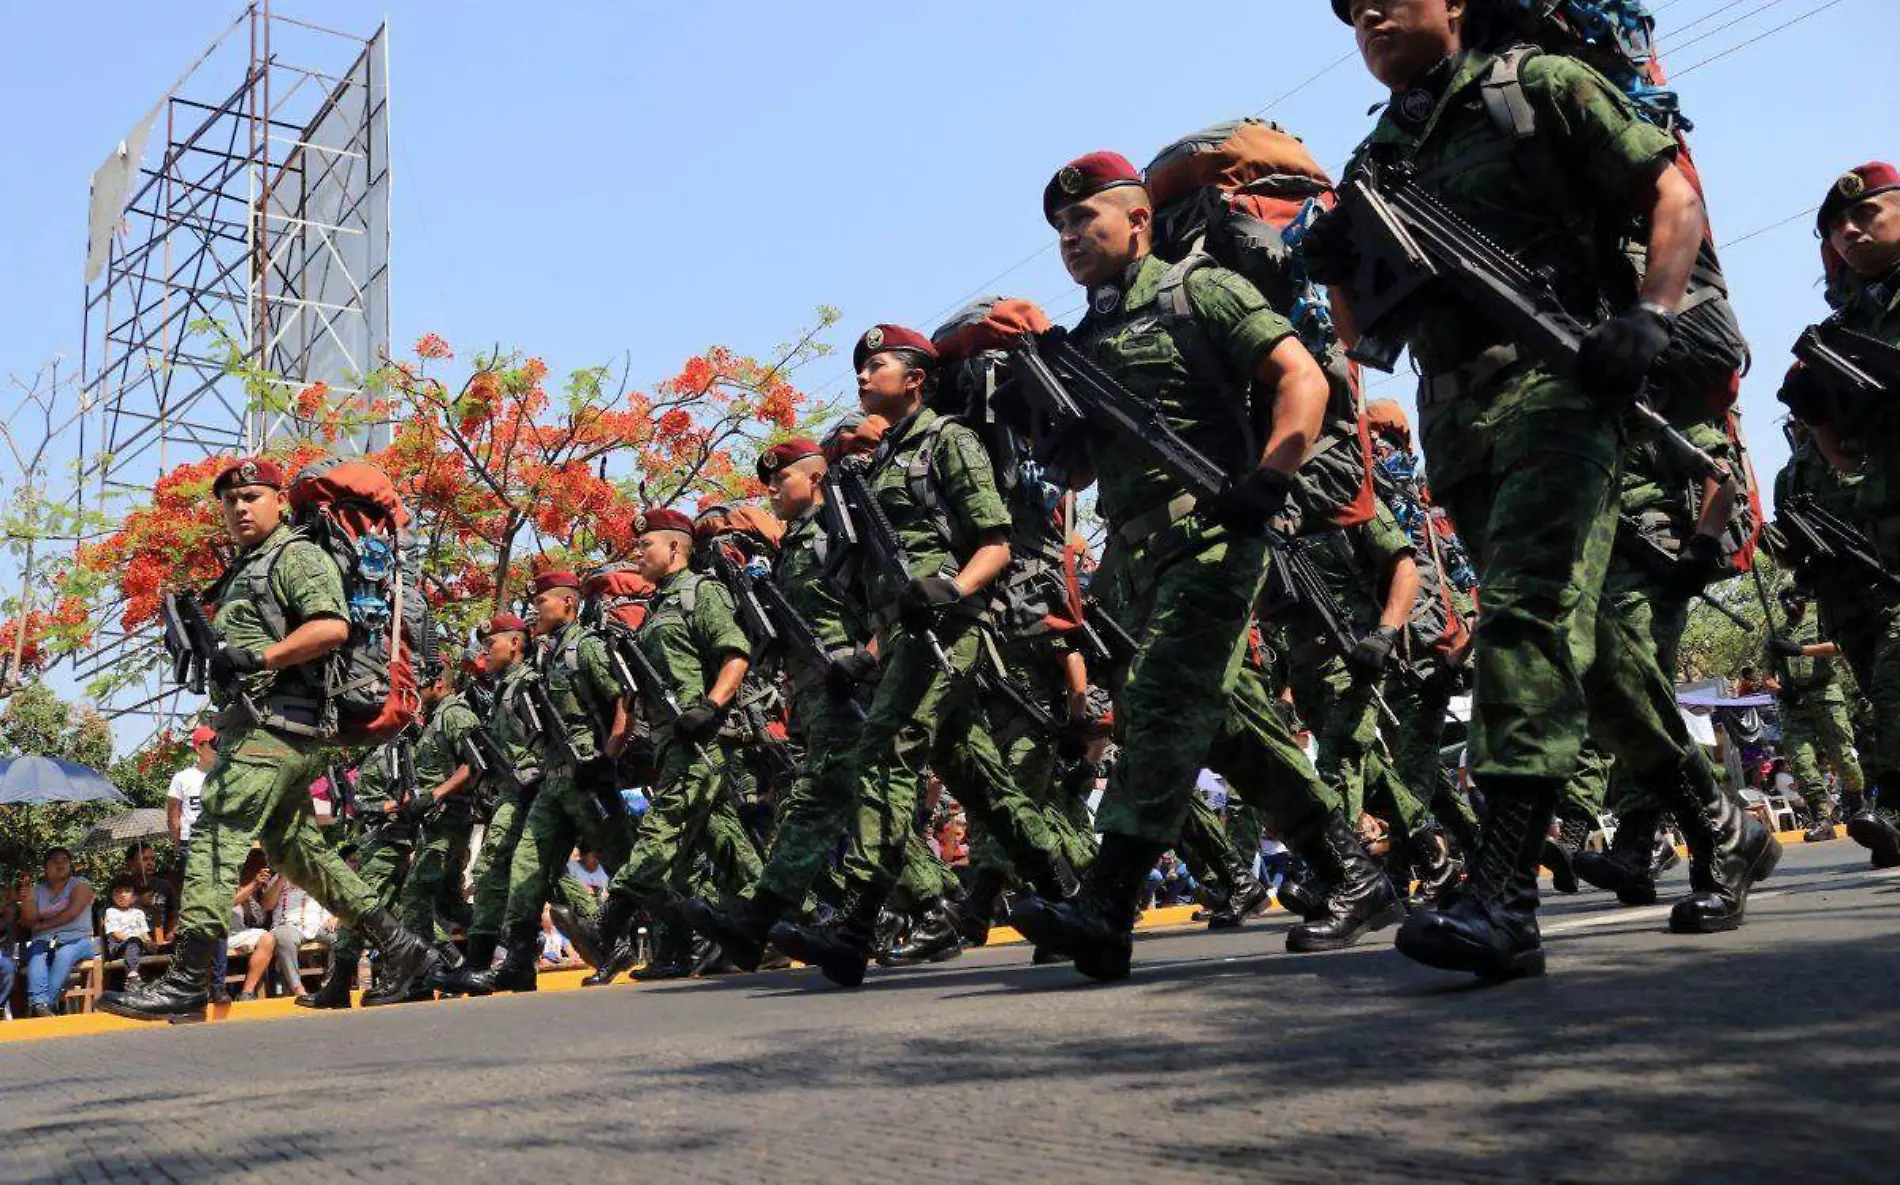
(1771, 1054)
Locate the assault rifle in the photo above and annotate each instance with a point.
(1652, 557)
(546, 723)
(759, 627)
(794, 632)
(1302, 584)
(1817, 533)
(994, 676)
(879, 538)
(636, 671)
(1071, 391)
(778, 757)
(189, 640)
(1850, 366)
(1407, 239)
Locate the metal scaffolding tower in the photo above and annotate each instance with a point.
(256, 232)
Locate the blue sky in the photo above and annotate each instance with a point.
(583, 180)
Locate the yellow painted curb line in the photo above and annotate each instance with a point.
(282, 1007)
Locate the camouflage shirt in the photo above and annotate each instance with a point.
(1355, 564)
(1812, 679)
(581, 682)
(957, 476)
(1602, 152)
(305, 583)
(439, 752)
(799, 572)
(508, 728)
(690, 631)
(1874, 309)
(1130, 341)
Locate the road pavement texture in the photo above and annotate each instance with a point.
(1769, 1054)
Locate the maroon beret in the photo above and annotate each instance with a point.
(784, 453)
(1853, 186)
(879, 338)
(1084, 177)
(556, 578)
(504, 623)
(1343, 10)
(662, 520)
(249, 471)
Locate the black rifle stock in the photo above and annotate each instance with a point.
(1304, 584)
(547, 723)
(1655, 559)
(1407, 239)
(760, 628)
(1818, 533)
(796, 634)
(1849, 365)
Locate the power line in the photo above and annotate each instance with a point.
(1750, 15)
(1760, 37)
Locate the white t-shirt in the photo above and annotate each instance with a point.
(187, 789)
(596, 881)
(127, 922)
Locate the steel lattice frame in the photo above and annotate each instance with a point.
(263, 207)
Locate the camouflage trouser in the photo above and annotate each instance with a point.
(1813, 731)
(563, 813)
(1633, 711)
(1418, 746)
(692, 815)
(1264, 769)
(1527, 469)
(493, 862)
(812, 818)
(1343, 712)
(1871, 642)
(259, 790)
(1035, 664)
(432, 896)
(922, 714)
(1599, 784)
(383, 854)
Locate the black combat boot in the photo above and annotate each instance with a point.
(515, 972)
(339, 976)
(1558, 860)
(675, 953)
(582, 931)
(179, 995)
(1305, 895)
(480, 955)
(1729, 850)
(1823, 829)
(976, 913)
(1873, 831)
(934, 938)
(403, 959)
(1095, 928)
(840, 946)
(1246, 896)
(1429, 854)
(1629, 867)
(1488, 925)
(741, 930)
(612, 932)
(1361, 900)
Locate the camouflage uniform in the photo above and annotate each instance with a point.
(920, 712)
(1815, 724)
(258, 790)
(434, 887)
(385, 845)
(572, 805)
(690, 631)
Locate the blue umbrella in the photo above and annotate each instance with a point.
(32, 780)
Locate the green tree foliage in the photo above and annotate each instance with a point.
(37, 722)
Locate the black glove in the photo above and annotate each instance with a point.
(1700, 565)
(1786, 647)
(848, 670)
(1371, 653)
(1328, 251)
(1078, 732)
(1616, 356)
(413, 810)
(924, 595)
(699, 722)
(1257, 500)
(229, 663)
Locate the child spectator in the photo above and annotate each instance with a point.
(556, 950)
(586, 869)
(127, 930)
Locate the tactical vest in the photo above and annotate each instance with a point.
(579, 700)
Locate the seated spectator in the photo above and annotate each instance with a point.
(556, 950)
(58, 913)
(127, 930)
(251, 926)
(297, 920)
(151, 892)
(7, 965)
(587, 870)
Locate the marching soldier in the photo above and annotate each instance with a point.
(1815, 724)
(933, 481)
(258, 790)
(574, 751)
(1524, 459)
(1182, 578)
(1859, 222)
(692, 639)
